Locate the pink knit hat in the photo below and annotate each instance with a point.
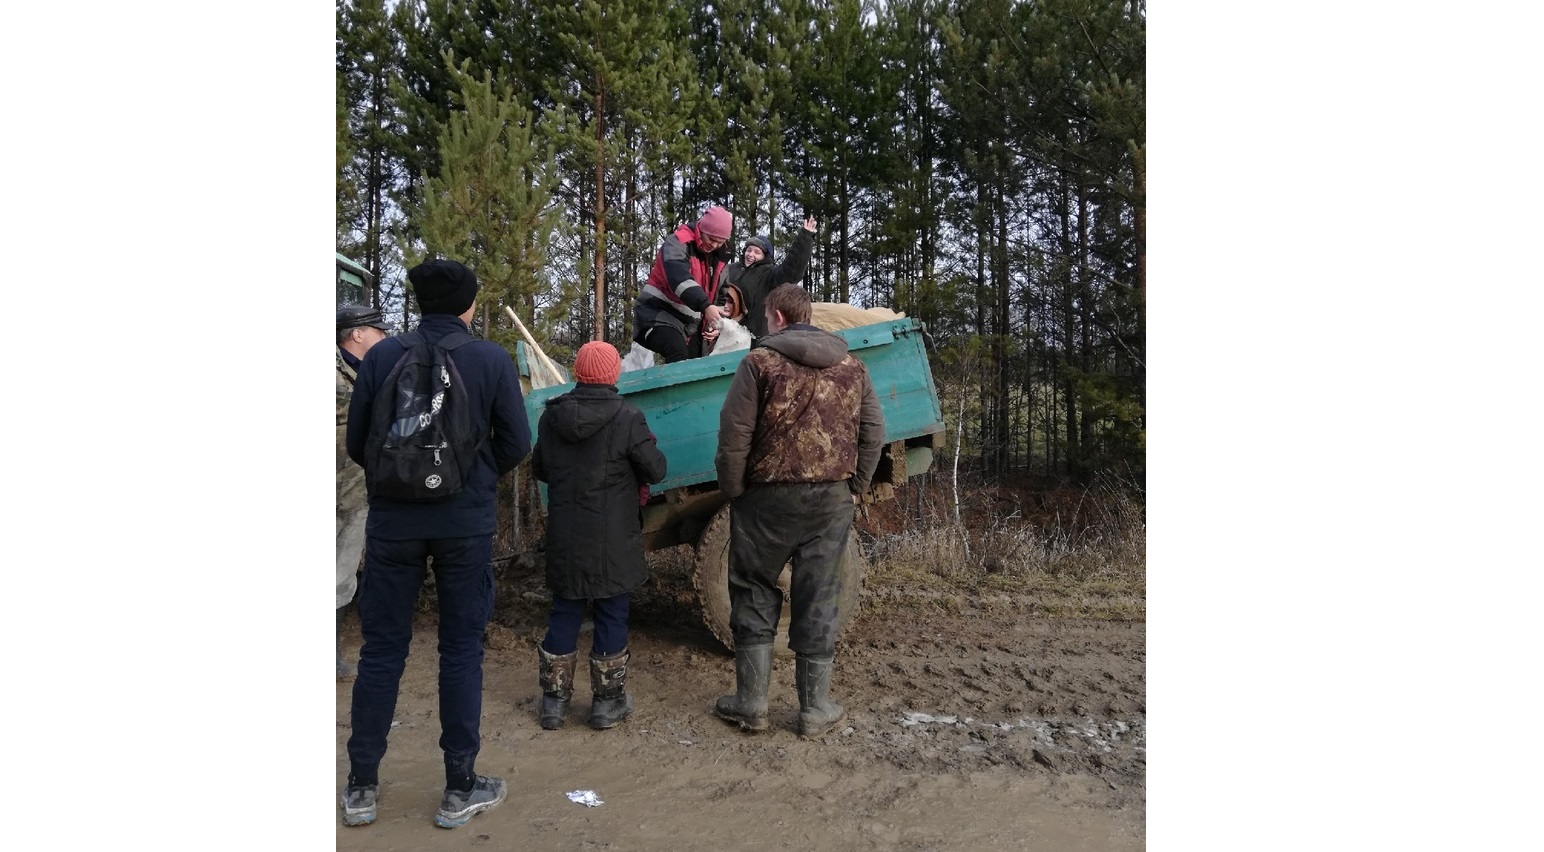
(597, 363)
(716, 223)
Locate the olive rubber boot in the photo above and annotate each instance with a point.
(752, 678)
(610, 702)
(818, 714)
(556, 674)
(346, 669)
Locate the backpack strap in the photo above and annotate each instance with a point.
(449, 343)
(455, 340)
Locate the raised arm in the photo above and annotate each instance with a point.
(792, 268)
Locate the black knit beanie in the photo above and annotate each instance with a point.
(443, 287)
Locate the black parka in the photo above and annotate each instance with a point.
(763, 276)
(594, 450)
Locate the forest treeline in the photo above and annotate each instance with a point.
(975, 164)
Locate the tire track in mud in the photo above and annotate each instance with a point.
(1040, 724)
(962, 695)
(957, 692)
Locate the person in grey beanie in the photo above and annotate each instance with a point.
(749, 279)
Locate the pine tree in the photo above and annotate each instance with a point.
(1084, 125)
(978, 164)
(616, 88)
(490, 206)
(345, 211)
(980, 78)
(909, 228)
(367, 56)
(842, 133)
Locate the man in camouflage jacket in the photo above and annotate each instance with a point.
(799, 438)
(359, 328)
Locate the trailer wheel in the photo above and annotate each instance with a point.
(711, 578)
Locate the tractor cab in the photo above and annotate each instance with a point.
(353, 281)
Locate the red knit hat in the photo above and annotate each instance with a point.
(716, 223)
(597, 363)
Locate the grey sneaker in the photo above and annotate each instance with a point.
(458, 807)
(359, 804)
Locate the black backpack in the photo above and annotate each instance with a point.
(421, 445)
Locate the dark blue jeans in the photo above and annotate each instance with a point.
(388, 592)
(610, 625)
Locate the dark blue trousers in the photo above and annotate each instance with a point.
(610, 625)
(388, 592)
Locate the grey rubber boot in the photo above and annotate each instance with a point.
(610, 704)
(346, 669)
(818, 714)
(556, 675)
(752, 678)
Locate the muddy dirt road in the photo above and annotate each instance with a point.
(963, 733)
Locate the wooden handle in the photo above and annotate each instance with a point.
(541, 357)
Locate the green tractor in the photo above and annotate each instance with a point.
(353, 281)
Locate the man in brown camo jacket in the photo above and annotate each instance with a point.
(799, 438)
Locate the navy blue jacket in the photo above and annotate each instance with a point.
(498, 409)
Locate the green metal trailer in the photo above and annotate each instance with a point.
(682, 402)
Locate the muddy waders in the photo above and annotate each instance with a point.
(752, 678)
(818, 714)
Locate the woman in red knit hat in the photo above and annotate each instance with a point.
(595, 452)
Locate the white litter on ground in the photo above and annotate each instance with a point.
(911, 717)
(586, 798)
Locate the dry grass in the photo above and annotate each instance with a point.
(1079, 555)
(1012, 553)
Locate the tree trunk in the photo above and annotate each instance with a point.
(984, 418)
(630, 255)
(600, 211)
(1000, 339)
(844, 262)
(1085, 326)
(1068, 333)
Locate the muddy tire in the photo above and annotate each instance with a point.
(711, 579)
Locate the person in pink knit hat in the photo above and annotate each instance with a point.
(595, 451)
(675, 310)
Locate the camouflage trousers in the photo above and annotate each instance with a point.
(351, 530)
(769, 525)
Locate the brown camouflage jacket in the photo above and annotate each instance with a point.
(800, 409)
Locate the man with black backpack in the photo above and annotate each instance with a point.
(437, 417)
